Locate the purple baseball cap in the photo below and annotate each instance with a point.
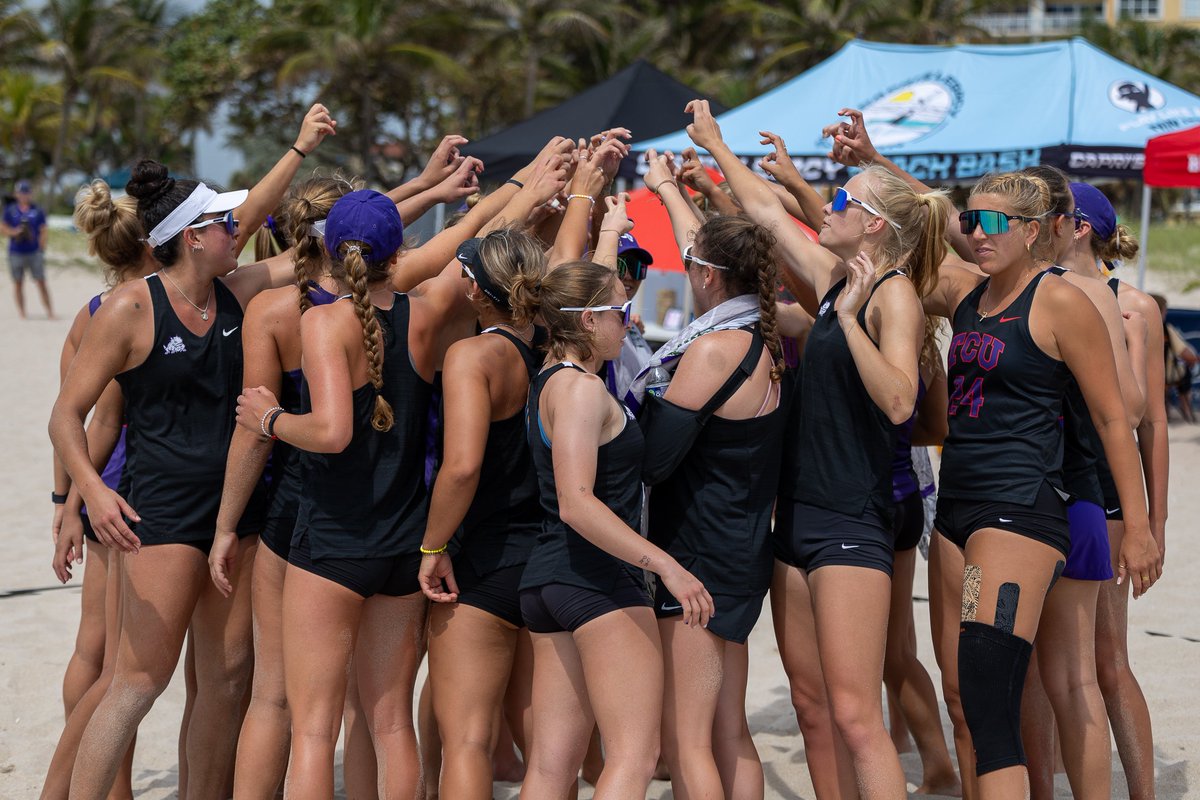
(1095, 208)
(365, 216)
(628, 244)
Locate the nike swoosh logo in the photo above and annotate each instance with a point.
(1008, 319)
(1112, 510)
(849, 546)
(1002, 519)
(231, 330)
(666, 607)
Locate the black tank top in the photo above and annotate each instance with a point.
(180, 406)
(561, 555)
(370, 499)
(840, 443)
(713, 514)
(1005, 403)
(506, 516)
(1081, 442)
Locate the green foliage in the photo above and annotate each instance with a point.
(86, 86)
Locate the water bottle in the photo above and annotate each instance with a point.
(657, 381)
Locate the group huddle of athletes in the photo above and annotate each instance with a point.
(316, 469)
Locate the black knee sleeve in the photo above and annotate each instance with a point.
(991, 675)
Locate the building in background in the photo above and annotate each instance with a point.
(1059, 18)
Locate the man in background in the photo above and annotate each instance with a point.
(25, 225)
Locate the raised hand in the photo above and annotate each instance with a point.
(662, 170)
(316, 126)
(462, 182)
(777, 163)
(444, 161)
(617, 217)
(704, 130)
(851, 144)
(693, 174)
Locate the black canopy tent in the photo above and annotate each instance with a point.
(640, 97)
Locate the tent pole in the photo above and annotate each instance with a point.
(1145, 237)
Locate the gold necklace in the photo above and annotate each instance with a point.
(203, 311)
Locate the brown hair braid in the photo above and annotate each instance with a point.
(358, 274)
(308, 203)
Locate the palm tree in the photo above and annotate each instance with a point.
(1170, 52)
(85, 46)
(28, 111)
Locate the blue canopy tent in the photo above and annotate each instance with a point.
(952, 114)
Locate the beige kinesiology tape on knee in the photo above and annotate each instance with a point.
(972, 579)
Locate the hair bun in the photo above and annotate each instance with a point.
(149, 181)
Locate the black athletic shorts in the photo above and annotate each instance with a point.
(1044, 521)
(735, 617)
(89, 532)
(908, 522)
(557, 607)
(277, 535)
(497, 593)
(393, 576)
(809, 537)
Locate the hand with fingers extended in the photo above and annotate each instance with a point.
(68, 547)
(461, 183)
(598, 139)
(444, 161)
(690, 593)
(548, 179)
(860, 277)
(252, 407)
(616, 218)
(1140, 560)
(661, 171)
(316, 126)
(777, 163)
(704, 130)
(598, 167)
(108, 512)
(222, 561)
(436, 578)
(851, 144)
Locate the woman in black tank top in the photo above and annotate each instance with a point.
(173, 343)
(1019, 334)
(711, 502)
(369, 363)
(582, 593)
(1099, 240)
(114, 233)
(486, 492)
(879, 244)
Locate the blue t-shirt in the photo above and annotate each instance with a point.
(29, 224)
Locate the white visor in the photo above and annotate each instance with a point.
(202, 200)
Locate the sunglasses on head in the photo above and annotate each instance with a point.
(1076, 216)
(633, 267)
(689, 260)
(626, 310)
(227, 219)
(992, 222)
(841, 197)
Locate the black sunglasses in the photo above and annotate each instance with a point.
(633, 267)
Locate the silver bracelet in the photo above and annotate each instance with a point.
(262, 423)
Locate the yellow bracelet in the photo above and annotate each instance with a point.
(436, 552)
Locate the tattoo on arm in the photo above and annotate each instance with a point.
(644, 561)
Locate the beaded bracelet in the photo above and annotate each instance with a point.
(437, 552)
(587, 197)
(271, 423)
(262, 423)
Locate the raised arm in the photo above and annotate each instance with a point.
(592, 175)
(613, 226)
(455, 187)
(810, 262)
(694, 176)
(660, 180)
(266, 194)
(778, 164)
(443, 162)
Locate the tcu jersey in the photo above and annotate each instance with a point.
(1005, 401)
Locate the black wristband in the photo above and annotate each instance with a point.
(300, 152)
(58, 499)
(515, 183)
(271, 423)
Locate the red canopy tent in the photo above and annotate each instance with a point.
(1172, 161)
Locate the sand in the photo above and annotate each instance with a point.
(39, 617)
